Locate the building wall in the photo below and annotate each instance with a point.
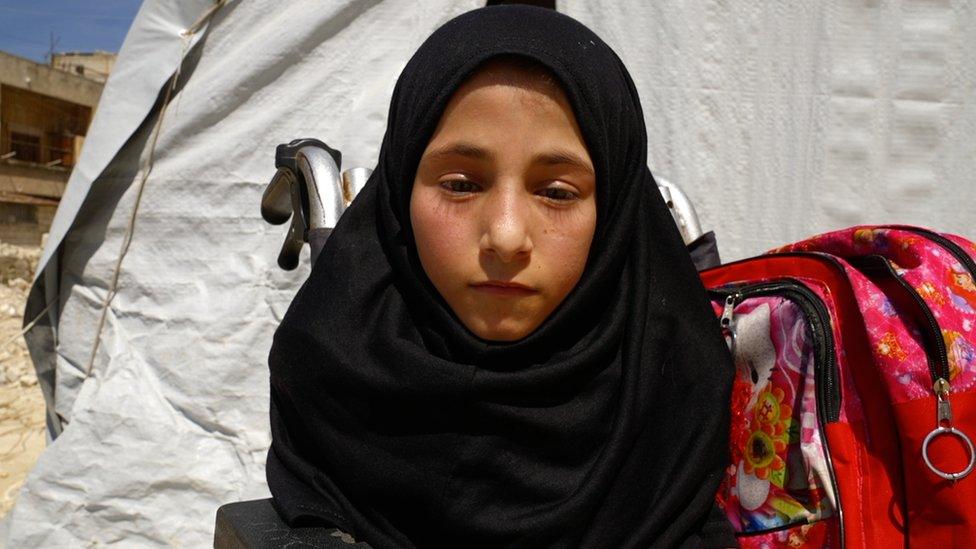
(29, 196)
(25, 224)
(25, 74)
(92, 65)
(25, 179)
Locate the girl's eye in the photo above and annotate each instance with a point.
(459, 186)
(557, 194)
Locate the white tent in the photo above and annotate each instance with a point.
(778, 120)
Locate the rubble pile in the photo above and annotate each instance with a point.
(17, 262)
(21, 404)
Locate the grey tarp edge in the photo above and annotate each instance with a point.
(152, 51)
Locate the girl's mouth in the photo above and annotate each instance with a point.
(503, 288)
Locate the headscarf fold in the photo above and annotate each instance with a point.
(605, 427)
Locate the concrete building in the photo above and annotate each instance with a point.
(94, 65)
(44, 116)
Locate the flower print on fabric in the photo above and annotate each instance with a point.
(771, 418)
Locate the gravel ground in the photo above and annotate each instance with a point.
(21, 404)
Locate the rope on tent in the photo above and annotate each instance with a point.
(150, 160)
(204, 19)
(26, 329)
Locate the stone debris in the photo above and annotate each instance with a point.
(22, 436)
(18, 262)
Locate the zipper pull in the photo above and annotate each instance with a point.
(943, 427)
(944, 409)
(728, 321)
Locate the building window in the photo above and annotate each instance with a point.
(60, 147)
(27, 146)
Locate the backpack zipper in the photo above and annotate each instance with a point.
(828, 394)
(939, 366)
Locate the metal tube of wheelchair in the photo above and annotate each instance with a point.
(323, 183)
(353, 181)
(683, 211)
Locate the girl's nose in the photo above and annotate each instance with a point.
(506, 225)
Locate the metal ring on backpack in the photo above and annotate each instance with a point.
(940, 430)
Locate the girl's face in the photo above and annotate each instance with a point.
(503, 205)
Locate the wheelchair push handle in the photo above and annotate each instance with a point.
(682, 210)
(307, 188)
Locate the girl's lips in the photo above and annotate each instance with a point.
(499, 287)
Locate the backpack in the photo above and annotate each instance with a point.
(854, 393)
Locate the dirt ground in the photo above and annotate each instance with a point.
(21, 404)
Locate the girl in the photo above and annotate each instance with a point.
(504, 341)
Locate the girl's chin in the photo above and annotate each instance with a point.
(503, 330)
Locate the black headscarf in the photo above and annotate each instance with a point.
(605, 427)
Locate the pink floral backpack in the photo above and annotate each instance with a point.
(854, 400)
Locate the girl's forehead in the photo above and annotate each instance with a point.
(505, 117)
(521, 81)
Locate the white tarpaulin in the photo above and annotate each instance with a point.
(779, 120)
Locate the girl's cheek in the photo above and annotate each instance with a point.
(566, 243)
(441, 227)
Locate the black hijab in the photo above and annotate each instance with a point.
(605, 427)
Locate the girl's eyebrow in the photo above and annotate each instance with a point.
(561, 157)
(555, 157)
(467, 150)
